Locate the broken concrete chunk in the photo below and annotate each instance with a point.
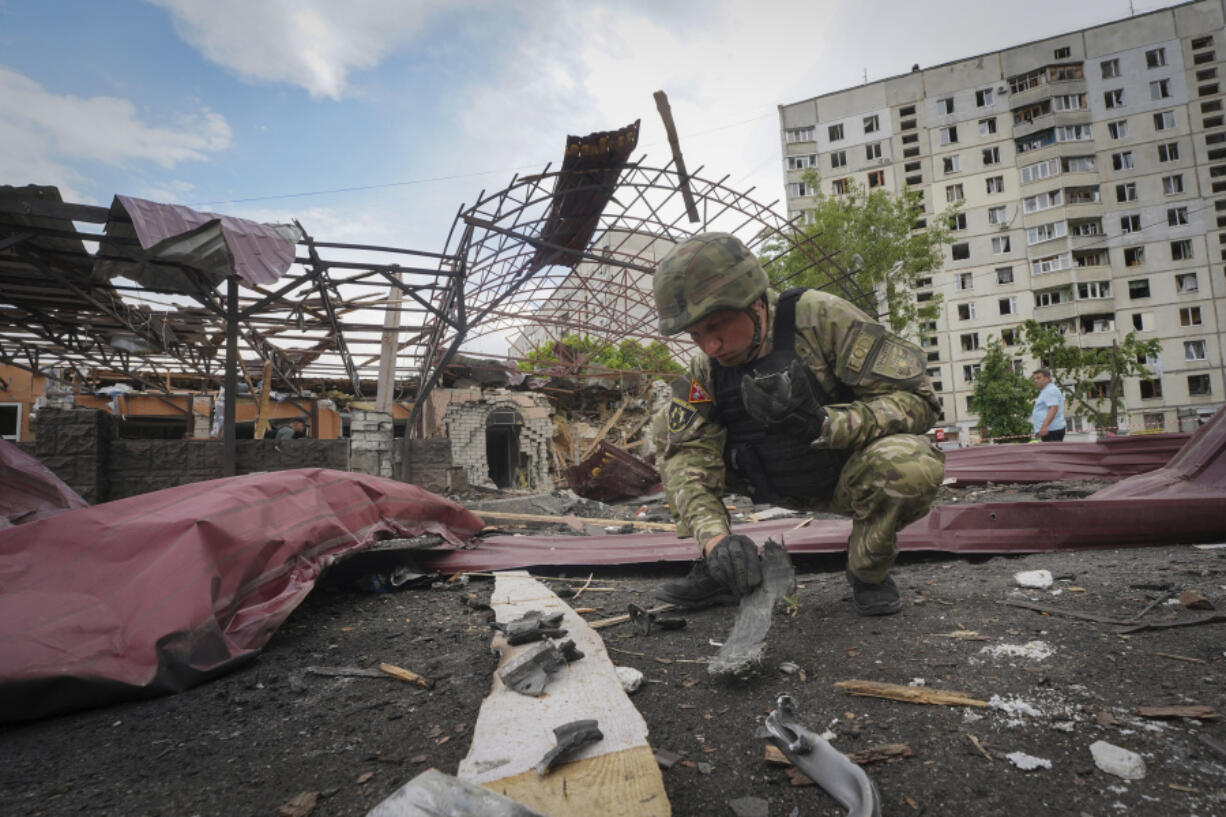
(749, 807)
(571, 738)
(1028, 763)
(1036, 579)
(1117, 761)
(631, 679)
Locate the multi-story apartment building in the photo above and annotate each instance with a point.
(1091, 172)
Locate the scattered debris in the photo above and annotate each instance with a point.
(1056, 611)
(1032, 650)
(912, 695)
(406, 675)
(528, 672)
(300, 805)
(975, 742)
(571, 738)
(881, 753)
(1013, 706)
(1175, 657)
(346, 672)
(1195, 600)
(643, 620)
(631, 678)
(1028, 763)
(749, 807)
(822, 763)
(610, 473)
(1196, 711)
(964, 635)
(789, 668)
(364, 778)
(1036, 579)
(1191, 622)
(531, 626)
(1214, 745)
(1119, 762)
(742, 650)
(624, 617)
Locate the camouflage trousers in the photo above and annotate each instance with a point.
(884, 487)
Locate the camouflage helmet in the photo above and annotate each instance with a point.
(705, 273)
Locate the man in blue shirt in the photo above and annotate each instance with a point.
(1047, 419)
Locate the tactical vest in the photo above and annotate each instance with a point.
(773, 464)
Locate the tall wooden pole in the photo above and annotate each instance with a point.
(229, 443)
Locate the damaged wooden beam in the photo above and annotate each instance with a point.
(911, 695)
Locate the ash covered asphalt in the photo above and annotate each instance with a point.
(288, 724)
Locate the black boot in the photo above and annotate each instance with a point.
(874, 599)
(697, 590)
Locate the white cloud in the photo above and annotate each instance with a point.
(314, 44)
(44, 133)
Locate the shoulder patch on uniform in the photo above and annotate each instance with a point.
(680, 415)
(859, 354)
(698, 394)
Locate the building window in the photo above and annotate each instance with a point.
(1092, 290)
(997, 215)
(1168, 152)
(1062, 53)
(1122, 160)
(1155, 58)
(1008, 337)
(995, 184)
(1047, 297)
(838, 158)
(1083, 195)
(1149, 390)
(10, 421)
(1111, 68)
(1164, 120)
(987, 127)
(1160, 89)
(970, 371)
(1172, 185)
(1074, 133)
(952, 164)
(1194, 350)
(1050, 263)
(984, 98)
(1000, 244)
(1186, 282)
(953, 192)
(966, 311)
(1130, 224)
(802, 162)
(970, 341)
(1008, 306)
(957, 221)
(799, 189)
(1046, 232)
(949, 136)
(1126, 192)
(1138, 288)
(1134, 256)
(871, 124)
(960, 252)
(835, 132)
(1118, 130)
(1189, 316)
(1004, 275)
(876, 178)
(945, 106)
(872, 151)
(1078, 164)
(1181, 250)
(1142, 321)
(804, 134)
(839, 186)
(991, 156)
(964, 280)
(1114, 99)
(1070, 102)
(1198, 385)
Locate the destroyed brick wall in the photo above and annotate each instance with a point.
(73, 443)
(141, 466)
(430, 467)
(467, 427)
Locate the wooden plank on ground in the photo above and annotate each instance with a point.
(614, 777)
(912, 695)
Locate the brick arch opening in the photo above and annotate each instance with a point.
(502, 440)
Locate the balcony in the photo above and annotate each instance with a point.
(1063, 311)
(1046, 90)
(1054, 119)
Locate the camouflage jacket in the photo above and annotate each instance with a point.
(848, 352)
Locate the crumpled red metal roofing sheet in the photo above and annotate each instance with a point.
(29, 491)
(156, 593)
(1184, 502)
(1111, 457)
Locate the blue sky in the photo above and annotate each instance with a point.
(258, 108)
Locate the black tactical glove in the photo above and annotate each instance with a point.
(785, 401)
(735, 562)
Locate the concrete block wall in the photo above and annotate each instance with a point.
(371, 440)
(466, 429)
(430, 467)
(74, 444)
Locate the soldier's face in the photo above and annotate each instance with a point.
(725, 335)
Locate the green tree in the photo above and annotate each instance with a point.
(1002, 397)
(654, 358)
(872, 236)
(1091, 377)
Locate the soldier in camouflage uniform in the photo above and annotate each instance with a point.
(800, 400)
